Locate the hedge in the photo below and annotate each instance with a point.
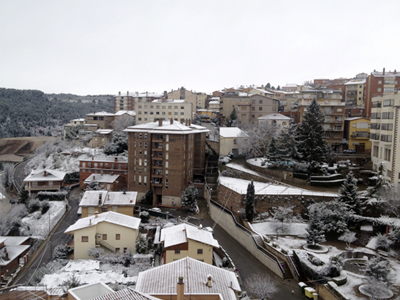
(52, 196)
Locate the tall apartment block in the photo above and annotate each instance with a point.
(165, 156)
(127, 101)
(384, 135)
(380, 83)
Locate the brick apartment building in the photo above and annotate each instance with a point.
(380, 83)
(111, 165)
(165, 156)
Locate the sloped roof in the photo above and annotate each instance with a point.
(109, 217)
(51, 175)
(274, 117)
(230, 132)
(91, 198)
(159, 280)
(125, 112)
(179, 234)
(107, 178)
(125, 294)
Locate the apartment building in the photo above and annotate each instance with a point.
(214, 104)
(380, 83)
(165, 156)
(184, 94)
(256, 107)
(385, 135)
(163, 109)
(227, 102)
(354, 95)
(102, 119)
(201, 99)
(111, 165)
(286, 99)
(127, 101)
(334, 111)
(356, 132)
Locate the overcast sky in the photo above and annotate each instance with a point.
(102, 47)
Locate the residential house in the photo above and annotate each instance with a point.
(164, 157)
(290, 87)
(110, 230)
(380, 83)
(123, 113)
(384, 135)
(112, 165)
(201, 99)
(356, 132)
(278, 121)
(214, 104)
(261, 92)
(73, 123)
(106, 182)
(231, 140)
(202, 281)
(101, 137)
(44, 180)
(13, 253)
(102, 119)
(104, 201)
(184, 240)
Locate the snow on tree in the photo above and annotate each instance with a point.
(70, 283)
(188, 198)
(312, 144)
(255, 140)
(272, 151)
(23, 194)
(141, 244)
(287, 144)
(348, 237)
(382, 242)
(283, 214)
(382, 185)
(93, 186)
(250, 202)
(316, 227)
(7, 177)
(118, 145)
(348, 194)
(60, 251)
(123, 122)
(95, 252)
(379, 269)
(261, 285)
(232, 120)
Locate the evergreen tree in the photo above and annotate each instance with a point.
(278, 88)
(250, 202)
(348, 194)
(312, 145)
(23, 195)
(382, 184)
(232, 120)
(287, 143)
(272, 152)
(268, 86)
(141, 244)
(316, 227)
(188, 198)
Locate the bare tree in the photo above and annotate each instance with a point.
(123, 122)
(255, 140)
(261, 285)
(348, 237)
(7, 177)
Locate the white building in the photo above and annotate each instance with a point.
(231, 140)
(279, 121)
(163, 109)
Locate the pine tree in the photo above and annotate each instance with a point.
(286, 143)
(382, 185)
(188, 198)
(272, 152)
(250, 202)
(23, 195)
(348, 194)
(312, 145)
(232, 120)
(268, 86)
(316, 227)
(141, 244)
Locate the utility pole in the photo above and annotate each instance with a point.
(51, 246)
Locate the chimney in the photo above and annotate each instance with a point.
(116, 158)
(383, 71)
(95, 214)
(159, 122)
(127, 93)
(147, 94)
(165, 94)
(200, 227)
(190, 122)
(394, 71)
(100, 198)
(137, 94)
(44, 173)
(92, 157)
(119, 93)
(209, 281)
(180, 289)
(6, 254)
(94, 178)
(171, 121)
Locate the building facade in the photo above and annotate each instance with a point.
(163, 109)
(385, 135)
(356, 132)
(257, 106)
(163, 157)
(184, 94)
(354, 95)
(102, 119)
(127, 102)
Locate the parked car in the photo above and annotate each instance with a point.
(349, 151)
(12, 201)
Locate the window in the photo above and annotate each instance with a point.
(260, 101)
(117, 249)
(85, 239)
(104, 237)
(199, 251)
(235, 141)
(104, 209)
(379, 89)
(177, 251)
(117, 236)
(260, 108)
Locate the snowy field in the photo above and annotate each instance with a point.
(38, 225)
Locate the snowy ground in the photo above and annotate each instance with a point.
(38, 225)
(269, 228)
(242, 169)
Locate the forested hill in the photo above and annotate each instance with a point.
(32, 112)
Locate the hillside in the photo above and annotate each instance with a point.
(33, 113)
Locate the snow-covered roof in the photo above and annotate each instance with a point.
(45, 175)
(104, 131)
(242, 94)
(354, 118)
(108, 217)
(167, 128)
(78, 120)
(159, 280)
(125, 294)
(125, 112)
(356, 82)
(14, 240)
(261, 188)
(106, 178)
(100, 113)
(264, 91)
(179, 234)
(91, 198)
(215, 99)
(213, 102)
(231, 132)
(89, 291)
(105, 158)
(170, 101)
(13, 247)
(274, 117)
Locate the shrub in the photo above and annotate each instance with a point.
(382, 242)
(60, 252)
(45, 207)
(34, 205)
(52, 196)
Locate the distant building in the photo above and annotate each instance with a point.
(102, 119)
(104, 201)
(73, 123)
(13, 253)
(101, 137)
(164, 157)
(106, 181)
(127, 102)
(112, 231)
(256, 106)
(163, 109)
(356, 132)
(201, 99)
(184, 94)
(354, 95)
(278, 121)
(231, 140)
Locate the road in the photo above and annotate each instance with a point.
(19, 174)
(58, 237)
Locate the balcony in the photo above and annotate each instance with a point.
(157, 182)
(157, 147)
